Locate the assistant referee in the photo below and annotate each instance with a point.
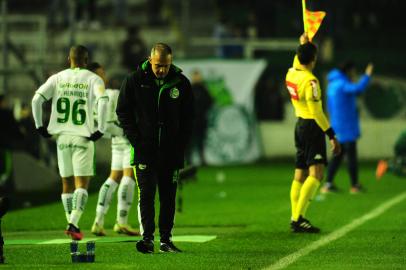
(311, 127)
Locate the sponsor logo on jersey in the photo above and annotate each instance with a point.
(74, 85)
(174, 93)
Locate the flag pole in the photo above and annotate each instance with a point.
(304, 15)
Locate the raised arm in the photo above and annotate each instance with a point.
(362, 83)
(302, 40)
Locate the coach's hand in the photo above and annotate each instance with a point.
(95, 136)
(335, 146)
(43, 132)
(369, 69)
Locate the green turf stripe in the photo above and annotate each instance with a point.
(21, 242)
(62, 241)
(180, 238)
(194, 238)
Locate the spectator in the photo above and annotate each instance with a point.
(232, 34)
(31, 138)
(154, 10)
(133, 48)
(203, 103)
(269, 100)
(221, 31)
(120, 12)
(11, 134)
(86, 14)
(58, 13)
(10, 138)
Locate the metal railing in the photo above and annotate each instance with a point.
(249, 45)
(23, 37)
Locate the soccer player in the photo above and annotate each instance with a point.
(121, 174)
(311, 127)
(155, 109)
(76, 93)
(397, 164)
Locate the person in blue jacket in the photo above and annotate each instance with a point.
(342, 92)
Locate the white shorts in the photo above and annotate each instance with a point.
(76, 156)
(120, 153)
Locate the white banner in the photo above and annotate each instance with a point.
(232, 131)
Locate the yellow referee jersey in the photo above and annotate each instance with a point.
(305, 94)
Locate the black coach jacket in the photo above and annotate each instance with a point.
(156, 116)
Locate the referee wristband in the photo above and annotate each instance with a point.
(330, 133)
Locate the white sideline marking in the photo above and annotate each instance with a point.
(289, 259)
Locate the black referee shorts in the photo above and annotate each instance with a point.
(310, 144)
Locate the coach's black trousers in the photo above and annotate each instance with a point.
(148, 179)
(349, 149)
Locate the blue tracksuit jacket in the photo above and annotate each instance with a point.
(342, 105)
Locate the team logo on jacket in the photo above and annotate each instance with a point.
(174, 93)
(318, 157)
(142, 166)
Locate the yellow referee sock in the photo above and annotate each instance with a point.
(304, 210)
(307, 193)
(294, 194)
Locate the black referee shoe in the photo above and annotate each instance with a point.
(168, 247)
(302, 225)
(145, 246)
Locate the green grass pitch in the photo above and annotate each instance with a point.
(247, 208)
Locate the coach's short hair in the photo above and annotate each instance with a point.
(162, 49)
(346, 66)
(306, 53)
(79, 54)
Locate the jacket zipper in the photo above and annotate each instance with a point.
(160, 124)
(161, 89)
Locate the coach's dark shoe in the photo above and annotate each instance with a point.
(145, 246)
(73, 232)
(357, 189)
(303, 226)
(168, 247)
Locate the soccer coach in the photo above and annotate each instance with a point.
(155, 109)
